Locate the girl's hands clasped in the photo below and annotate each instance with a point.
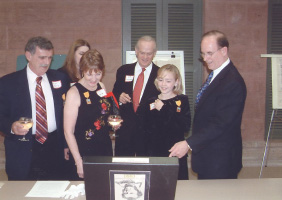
(158, 104)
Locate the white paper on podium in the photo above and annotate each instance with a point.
(49, 189)
(130, 160)
(1, 184)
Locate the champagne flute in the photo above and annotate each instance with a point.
(114, 120)
(27, 123)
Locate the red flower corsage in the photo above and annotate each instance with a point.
(97, 124)
(104, 106)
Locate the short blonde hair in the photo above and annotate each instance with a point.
(174, 70)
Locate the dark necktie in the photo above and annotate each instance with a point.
(41, 114)
(203, 88)
(137, 90)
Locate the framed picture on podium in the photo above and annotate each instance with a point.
(128, 185)
(130, 178)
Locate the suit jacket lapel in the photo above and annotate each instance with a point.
(23, 94)
(130, 72)
(149, 84)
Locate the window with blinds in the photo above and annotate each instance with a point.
(143, 21)
(274, 44)
(176, 25)
(180, 36)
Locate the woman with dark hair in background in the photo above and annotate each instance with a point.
(71, 65)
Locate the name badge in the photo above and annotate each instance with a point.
(128, 78)
(101, 92)
(57, 84)
(152, 106)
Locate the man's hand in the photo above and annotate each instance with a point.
(18, 128)
(179, 149)
(124, 98)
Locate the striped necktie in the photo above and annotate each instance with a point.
(41, 113)
(203, 88)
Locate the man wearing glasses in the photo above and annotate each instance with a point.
(216, 141)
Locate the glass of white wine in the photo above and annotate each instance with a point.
(114, 121)
(27, 123)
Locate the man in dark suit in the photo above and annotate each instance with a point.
(33, 158)
(130, 137)
(216, 141)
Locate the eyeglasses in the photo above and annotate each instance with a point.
(208, 54)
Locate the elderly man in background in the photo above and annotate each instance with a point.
(134, 85)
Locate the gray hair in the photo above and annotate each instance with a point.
(40, 42)
(146, 38)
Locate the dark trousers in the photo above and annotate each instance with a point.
(230, 175)
(183, 169)
(47, 159)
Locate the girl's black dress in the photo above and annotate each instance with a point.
(166, 127)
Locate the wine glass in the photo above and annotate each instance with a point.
(114, 121)
(27, 123)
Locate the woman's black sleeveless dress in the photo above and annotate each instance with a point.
(92, 129)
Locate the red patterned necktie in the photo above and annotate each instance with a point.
(137, 89)
(41, 114)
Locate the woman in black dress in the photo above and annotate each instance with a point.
(167, 116)
(86, 112)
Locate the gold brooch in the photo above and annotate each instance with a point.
(86, 95)
(178, 103)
